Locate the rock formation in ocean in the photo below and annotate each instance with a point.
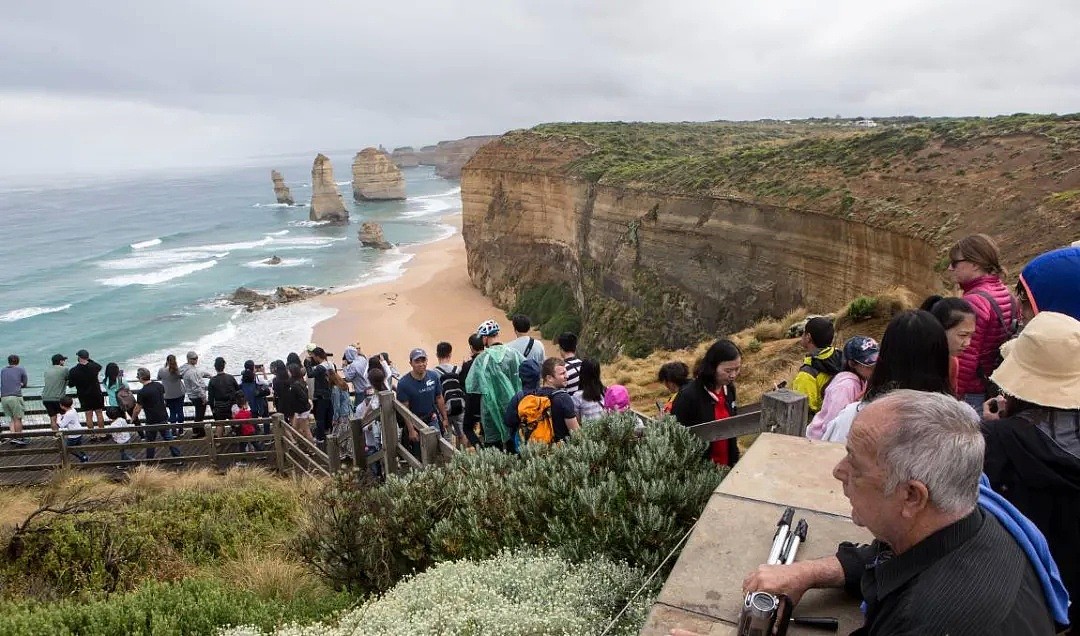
(371, 235)
(375, 177)
(252, 300)
(768, 219)
(273, 260)
(326, 201)
(405, 157)
(281, 191)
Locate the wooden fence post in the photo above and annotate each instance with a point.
(389, 431)
(784, 411)
(277, 427)
(333, 454)
(65, 463)
(212, 445)
(429, 446)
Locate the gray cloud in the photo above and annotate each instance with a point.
(117, 84)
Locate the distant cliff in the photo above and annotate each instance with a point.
(375, 177)
(664, 234)
(447, 156)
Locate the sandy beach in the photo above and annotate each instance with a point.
(433, 300)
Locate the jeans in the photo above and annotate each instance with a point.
(176, 409)
(975, 400)
(166, 435)
(200, 415)
(76, 440)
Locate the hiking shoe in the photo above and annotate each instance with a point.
(84, 458)
(20, 441)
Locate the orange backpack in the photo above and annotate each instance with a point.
(534, 411)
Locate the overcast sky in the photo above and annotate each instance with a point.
(110, 85)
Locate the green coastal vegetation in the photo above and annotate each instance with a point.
(483, 539)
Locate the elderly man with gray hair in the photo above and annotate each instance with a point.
(940, 564)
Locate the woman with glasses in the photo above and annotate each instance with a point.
(974, 262)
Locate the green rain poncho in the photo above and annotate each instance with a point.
(494, 375)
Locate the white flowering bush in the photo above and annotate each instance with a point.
(513, 593)
(605, 493)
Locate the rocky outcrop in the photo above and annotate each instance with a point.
(449, 157)
(252, 300)
(273, 260)
(371, 235)
(326, 201)
(651, 269)
(281, 191)
(405, 157)
(375, 177)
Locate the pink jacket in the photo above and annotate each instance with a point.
(985, 342)
(845, 388)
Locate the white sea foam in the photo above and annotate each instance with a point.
(280, 233)
(158, 277)
(451, 192)
(261, 336)
(384, 273)
(30, 312)
(145, 244)
(285, 262)
(341, 183)
(306, 223)
(433, 204)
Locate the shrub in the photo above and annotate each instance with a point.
(551, 308)
(508, 594)
(190, 608)
(604, 492)
(164, 536)
(754, 345)
(862, 308)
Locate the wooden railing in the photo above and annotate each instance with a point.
(782, 411)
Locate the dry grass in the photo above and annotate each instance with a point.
(778, 359)
(274, 574)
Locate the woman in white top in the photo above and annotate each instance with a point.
(589, 399)
(860, 356)
(914, 355)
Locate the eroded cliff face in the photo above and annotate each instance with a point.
(326, 202)
(651, 269)
(375, 177)
(281, 191)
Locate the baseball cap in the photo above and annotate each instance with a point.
(416, 354)
(861, 349)
(82, 353)
(58, 358)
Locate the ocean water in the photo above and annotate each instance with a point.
(134, 268)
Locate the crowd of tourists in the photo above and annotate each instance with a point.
(962, 427)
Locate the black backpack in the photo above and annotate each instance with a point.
(452, 390)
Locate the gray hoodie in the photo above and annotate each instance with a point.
(192, 378)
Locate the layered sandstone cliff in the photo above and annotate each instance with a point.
(375, 177)
(649, 266)
(281, 191)
(326, 201)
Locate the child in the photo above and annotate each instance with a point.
(240, 411)
(69, 421)
(616, 398)
(116, 420)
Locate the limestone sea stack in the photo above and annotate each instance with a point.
(371, 236)
(405, 157)
(326, 201)
(375, 177)
(281, 191)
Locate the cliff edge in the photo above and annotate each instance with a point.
(660, 235)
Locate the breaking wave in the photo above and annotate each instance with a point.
(158, 277)
(30, 312)
(145, 244)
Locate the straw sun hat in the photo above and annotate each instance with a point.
(1042, 365)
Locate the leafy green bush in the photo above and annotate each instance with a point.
(114, 549)
(604, 492)
(754, 345)
(190, 608)
(509, 594)
(551, 308)
(862, 308)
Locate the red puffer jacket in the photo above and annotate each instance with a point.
(982, 353)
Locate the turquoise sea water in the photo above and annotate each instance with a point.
(134, 268)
